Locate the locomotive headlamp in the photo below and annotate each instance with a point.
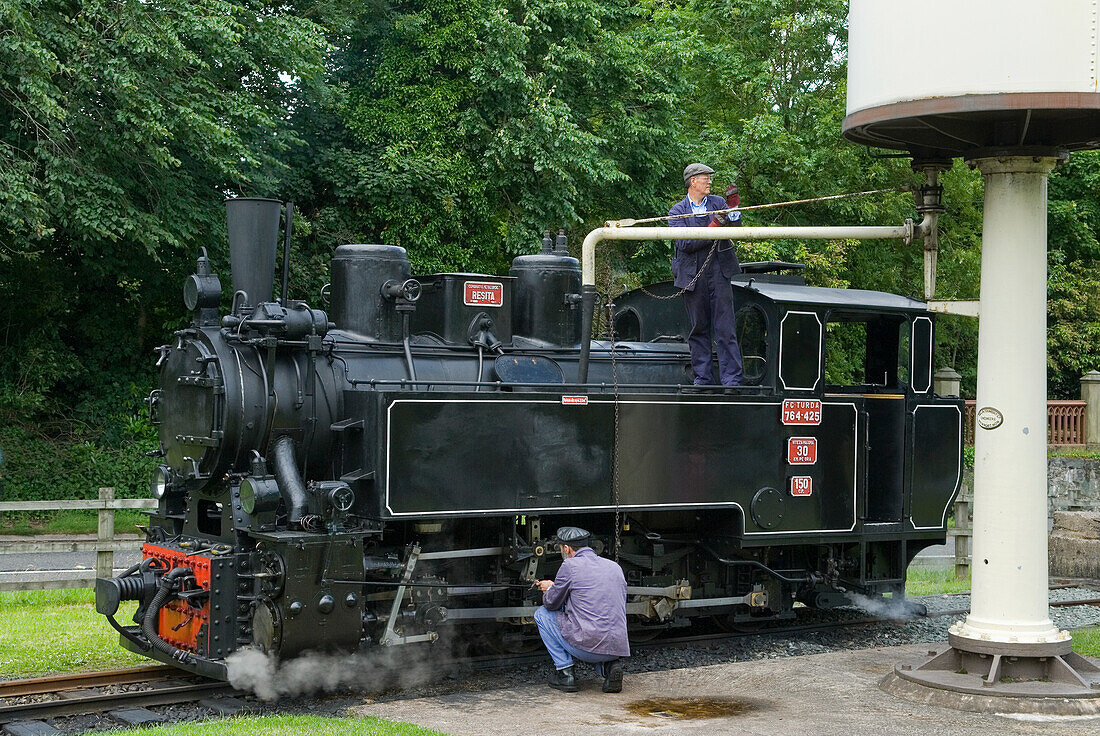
(162, 478)
(259, 494)
(202, 292)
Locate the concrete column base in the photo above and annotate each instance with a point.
(1003, 679)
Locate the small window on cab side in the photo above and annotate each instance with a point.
(752, 338)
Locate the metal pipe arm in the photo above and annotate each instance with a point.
(855, 232)
(905, 232)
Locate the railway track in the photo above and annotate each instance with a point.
(1052, 604)
(490, 662)
(43, 698)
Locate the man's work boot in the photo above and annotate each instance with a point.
(613, 677)
(565, 681)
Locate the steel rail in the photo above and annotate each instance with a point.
(1053, 604)
(77, 680)
(493, 661)
(78, 703)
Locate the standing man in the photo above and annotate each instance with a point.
(583, 613)
(708, 295)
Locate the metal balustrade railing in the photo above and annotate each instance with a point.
(1065, 423)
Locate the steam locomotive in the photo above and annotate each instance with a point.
(390, 471)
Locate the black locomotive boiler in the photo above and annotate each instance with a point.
(391, 470)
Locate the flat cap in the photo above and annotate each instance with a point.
(695, 170)
(574, 536)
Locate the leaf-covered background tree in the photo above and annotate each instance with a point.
(464, 129)
(122, 125)
(459, 129)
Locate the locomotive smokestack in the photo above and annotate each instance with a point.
(253, 236)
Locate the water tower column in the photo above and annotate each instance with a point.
(1009, 601)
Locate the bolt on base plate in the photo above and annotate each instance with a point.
(1003, 678)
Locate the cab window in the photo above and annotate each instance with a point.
(752, 338)
(866, 352)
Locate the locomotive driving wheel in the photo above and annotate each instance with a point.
(513, 642)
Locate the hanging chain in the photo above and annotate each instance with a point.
(609, 310)
(690, 286)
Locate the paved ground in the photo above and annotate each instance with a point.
(65, 565)
(939, 555)
(825, 694)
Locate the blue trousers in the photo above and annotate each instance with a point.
(561, 651)
(710, 310)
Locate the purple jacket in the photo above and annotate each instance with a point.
(589, 593)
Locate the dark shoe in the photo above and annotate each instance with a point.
(565, 681)
(613, 677)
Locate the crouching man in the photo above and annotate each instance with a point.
(583, 615)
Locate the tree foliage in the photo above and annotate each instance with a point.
(465, 128)
(459, 129)
(122, 125)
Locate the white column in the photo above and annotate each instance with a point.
(1009, 583)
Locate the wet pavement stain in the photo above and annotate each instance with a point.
(690, 708)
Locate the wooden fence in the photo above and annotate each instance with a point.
(1065, 423)
(104, 545)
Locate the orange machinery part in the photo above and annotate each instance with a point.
(179, 623)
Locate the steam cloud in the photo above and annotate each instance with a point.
(885, 607)
(270, 679)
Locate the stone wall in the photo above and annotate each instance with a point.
(1073, 484)
(1075, 545)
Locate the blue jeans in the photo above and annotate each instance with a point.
(561, 651)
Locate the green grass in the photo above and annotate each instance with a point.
(1073, 452)
(59, 631)
(66, 522)
(924, 581)
(46, 631)
(1087, 641)
(286, 726)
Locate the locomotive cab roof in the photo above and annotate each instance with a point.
(821, 297)
(796, 338)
